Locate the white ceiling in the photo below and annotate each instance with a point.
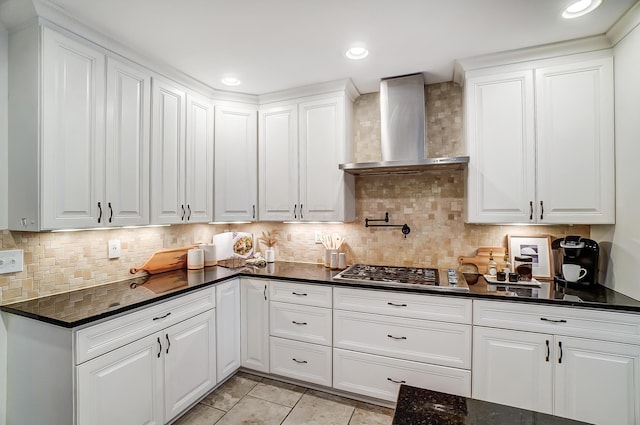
(278, 44)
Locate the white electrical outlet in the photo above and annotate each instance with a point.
(11, 261)
(114, 248)
(318, 236)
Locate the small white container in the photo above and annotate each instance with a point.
(333, 263)
(270, 255)
(342, 260)
(210, 258)
(327, 257)
(195, 259)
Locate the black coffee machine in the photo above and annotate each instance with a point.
(576, 250)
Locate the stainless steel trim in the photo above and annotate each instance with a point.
(406, 167)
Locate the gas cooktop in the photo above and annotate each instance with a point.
(405, 277)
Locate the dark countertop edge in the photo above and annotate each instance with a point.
(489, 296)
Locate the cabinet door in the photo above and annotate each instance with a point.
(168, 154)
(278, 167)
(199, 160)
(127, 145)
(72, 145)
(254, 324)
(597, 382)
(123, 386)
(236, 163)
(190, 362)
(228, 328)
(322, 148)
(513, 368)
(499, 133)
(575, 143)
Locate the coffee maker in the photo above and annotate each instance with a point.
(580, 251)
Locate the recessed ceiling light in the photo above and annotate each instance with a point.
(357, 53)
(231, 81)
(580, 8)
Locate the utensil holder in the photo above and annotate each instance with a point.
(327, 256)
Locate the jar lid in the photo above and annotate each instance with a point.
(524, 259)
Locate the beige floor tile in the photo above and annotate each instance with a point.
(278, 392)
(317, 408)
(369, 414)
(225, 397)
(253, 411)
(200, 415)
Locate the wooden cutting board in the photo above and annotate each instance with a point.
(482, 258)
(165, 260)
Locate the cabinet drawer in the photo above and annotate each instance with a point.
(445, 344)
(418, 306)
(380, 377)
(299, 322)
(595, 324)
(300, 293)
(106, 336)
(301, 360)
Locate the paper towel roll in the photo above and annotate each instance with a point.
(210, 258)
(195, 259)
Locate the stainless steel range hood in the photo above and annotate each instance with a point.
(402, 114)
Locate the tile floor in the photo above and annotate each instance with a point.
(250, 399)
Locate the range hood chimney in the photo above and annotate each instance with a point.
(402, 113)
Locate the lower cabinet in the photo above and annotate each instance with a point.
(254, 324)
(578, 377)
(228, 328)
(151, 380)
(301, 360)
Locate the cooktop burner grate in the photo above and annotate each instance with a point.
(408, 275)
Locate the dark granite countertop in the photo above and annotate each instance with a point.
(418, 406)
(88, 305)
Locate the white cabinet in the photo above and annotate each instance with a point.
(81, 157)
(228, 324)
(254, 324)
(236, 162)
(300, 147)
(382, 339)
(540, 141)
(181, 156)
(552, 371)
(170, 369)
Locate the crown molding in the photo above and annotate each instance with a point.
(625, 25)
(345, 86)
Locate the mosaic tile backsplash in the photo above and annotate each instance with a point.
(431, 204)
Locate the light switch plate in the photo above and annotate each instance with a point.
(114, 248)
(11, 261)
(318, 237)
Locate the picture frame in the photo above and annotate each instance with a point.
(537, 247)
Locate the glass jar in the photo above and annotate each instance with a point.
(524, 267)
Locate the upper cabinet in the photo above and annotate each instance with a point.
(301, 144)
(541, 143)
(181, 155)
(80, 151)
(236, 162)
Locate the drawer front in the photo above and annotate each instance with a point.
(300, 322)
(106, 336)
(380, 377)
(594, 324)
(300, 293)
(301, 360)
(417, 306)
(445, 344)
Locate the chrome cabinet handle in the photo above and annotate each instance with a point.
(298, 323)
(110, 212)
(560, 346)
(100, 212)
(160, 345)
(396, 382)
(189, 209)
(397, 337)
(183, 212)
(300, 294)
(541, 210)
(396, 305)
(548, 351)
(300, 361)
(301, 216)
(530, 210)
(553, 320)
(168, 342)
(162, 317)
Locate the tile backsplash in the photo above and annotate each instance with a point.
(431, 204)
